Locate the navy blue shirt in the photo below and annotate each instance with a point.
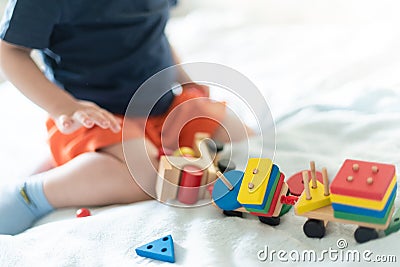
(98, 50)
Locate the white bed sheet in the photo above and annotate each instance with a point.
(334, 90)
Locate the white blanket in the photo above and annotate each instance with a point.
(334, 89)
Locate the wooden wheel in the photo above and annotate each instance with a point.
(314, 228)
(233, 213)
(365, 234)
(272, 221)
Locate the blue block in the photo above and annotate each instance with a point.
(364, 211)
(161, 249)
(275, 174)
(223, 198)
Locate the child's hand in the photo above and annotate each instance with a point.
(86, 114)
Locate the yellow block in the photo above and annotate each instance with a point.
(184, 151)
(363, 202)
(257, 173)
(318, 199)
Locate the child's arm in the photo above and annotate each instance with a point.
(183, 76)
(68, 113)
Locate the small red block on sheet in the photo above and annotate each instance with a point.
(82, 213)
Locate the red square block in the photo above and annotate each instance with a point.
(363, 179)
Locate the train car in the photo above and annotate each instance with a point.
(259, 190)
(362, 193)
(184, 174)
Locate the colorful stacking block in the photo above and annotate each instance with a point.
(365, 211)
(295, 182)
(161, 249)
(365, 202)
(271, 190)
(224, 198)
(363, 179)
(274, 195)
(252, 193)
(364, 191)
(318, 200)
(363, 218)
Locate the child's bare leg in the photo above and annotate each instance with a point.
(98, 178)
(45, 164)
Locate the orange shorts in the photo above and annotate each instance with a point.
(209, 113)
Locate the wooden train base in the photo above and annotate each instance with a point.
(272, 221)
(318, 219)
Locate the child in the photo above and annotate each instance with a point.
(97, 54)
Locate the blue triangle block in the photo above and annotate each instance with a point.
(161, 249)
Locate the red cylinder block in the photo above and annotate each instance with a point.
(190, 183)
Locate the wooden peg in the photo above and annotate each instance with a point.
(375, 169)
(225, 180)
(326, 181)
(356, 167)
(250, 186)
(313, 174)
(306, 185)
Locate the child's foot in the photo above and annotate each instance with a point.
(21, 205)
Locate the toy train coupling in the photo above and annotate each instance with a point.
(289, 200)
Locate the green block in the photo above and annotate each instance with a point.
(394, 225)
(270, 197)
(285, 209)
(363, 218)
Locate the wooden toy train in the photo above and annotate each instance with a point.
(362, 193)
